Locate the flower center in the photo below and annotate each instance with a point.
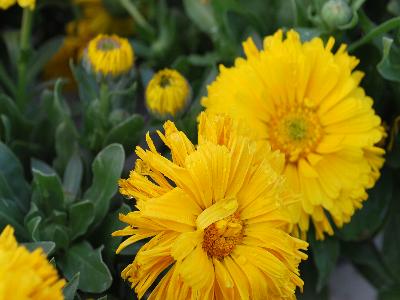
(295, 132)
(165, 81)
(221, 237)
(108, 44)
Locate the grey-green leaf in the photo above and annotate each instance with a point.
(107, 168)
(81, 215)
(11, 169)
(325, 254)
(94, 274)
(73, 177)
(127, 132)
(71, 287)
(48, 247)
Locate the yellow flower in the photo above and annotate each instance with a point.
(167, 94)
(94, 20)
(215, 216)
(27, 3)
(110, 55)
(306, 101)
(25, 275)
(5, 4)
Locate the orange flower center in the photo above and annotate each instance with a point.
(295, 131)
(221, 237)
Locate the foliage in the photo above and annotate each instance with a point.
(62, 151)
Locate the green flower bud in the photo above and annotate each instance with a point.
(336, 13)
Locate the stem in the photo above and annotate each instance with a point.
(137, 16)
(104, 99)
(25, 48)
(379, 30)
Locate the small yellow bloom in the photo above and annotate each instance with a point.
(110, 55)
(305, 100)
(26, 275)
(167, 94)
(5, 4)
(27, 3)
(94, 19)
(215, 215)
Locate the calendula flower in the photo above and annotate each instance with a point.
(306, 101)
(215, 217)
(110, 55)
(5, 4)
(167, 94)
(26, 275)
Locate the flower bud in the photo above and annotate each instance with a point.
(167, 94)
(336, 13)
(109, 56)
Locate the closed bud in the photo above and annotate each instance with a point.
(336, 13)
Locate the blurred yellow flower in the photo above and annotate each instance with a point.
(110, 55)
(27, 3)
(306, 102)
(5, 4)
(26, 275)
(94, 20)
(167, 94)
(215, 215)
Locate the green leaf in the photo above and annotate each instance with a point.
(71, 287)
(367, 221)
(392, 293)
(73, 177)
(391, 239)
(81, 215)
(6, 80)
(94, 274)
(107, 168)
(33, 227)
(56, 108)
(66, 143)
(325, 254)
(42, 56)
(48, 247)
(389, 66)
(127, 132)
(11, 169)
(369, 262)
(202, 15)
(10, 215)
(47, 191)
(110, 224)
(88, 88)
(56, 233)
(310, 277)
(7, 128)
(42, 167)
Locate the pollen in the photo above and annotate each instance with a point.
(221, 237)
(295, 131)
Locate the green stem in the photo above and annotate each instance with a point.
(25, 48)
(377, 31)
(137, 16)
(104, 99)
